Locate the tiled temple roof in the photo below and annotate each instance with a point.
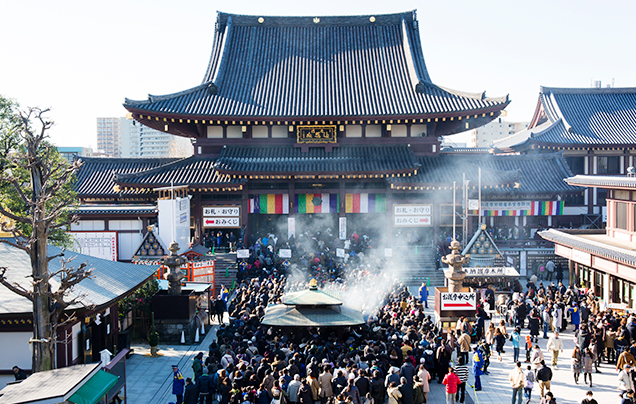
(352, 67)
(535, 173)
(579, 117)
(343, 159)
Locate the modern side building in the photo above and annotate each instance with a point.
(486, 135)
(69, 153)
(604, 260)
(109, 136)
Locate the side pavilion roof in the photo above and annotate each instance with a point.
(536, 173)
(347, 67)
(583, 117)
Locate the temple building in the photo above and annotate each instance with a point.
(330, 118)
(594, 128)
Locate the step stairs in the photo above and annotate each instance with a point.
(416, 266)
(225, 270)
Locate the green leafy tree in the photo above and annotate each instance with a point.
(36, 186)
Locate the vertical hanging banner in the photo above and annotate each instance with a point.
(291, 227)
(317, 203)
(365, 203)
(270, 204)
(342, 228)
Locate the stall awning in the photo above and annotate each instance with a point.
(94, 389)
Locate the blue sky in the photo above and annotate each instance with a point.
(82, 58)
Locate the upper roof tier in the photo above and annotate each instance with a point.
(585, 117)
(347, 67)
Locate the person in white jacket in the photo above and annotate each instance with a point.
(555, 344)
(557, 318)
(625, 381)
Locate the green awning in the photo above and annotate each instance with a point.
(94, 389)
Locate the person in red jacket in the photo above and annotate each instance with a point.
(451, 381)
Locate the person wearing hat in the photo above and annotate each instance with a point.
(478, 367)
(178, 383)
(625, 381)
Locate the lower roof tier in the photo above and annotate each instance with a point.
(394, 165)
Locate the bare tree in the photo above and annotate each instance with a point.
(36, 178)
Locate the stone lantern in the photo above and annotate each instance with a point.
(455, 274)
(174, 262)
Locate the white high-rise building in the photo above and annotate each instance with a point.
(485, 135)
(138, 140)
(109, 137)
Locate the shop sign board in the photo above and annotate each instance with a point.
(458, 301)
(491, 271)
(99, 244)
(582, 257)
(222, 211)
(412, 215)
(342, 228)
(217, 222)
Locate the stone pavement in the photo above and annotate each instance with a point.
(150, 379)
(496, 387)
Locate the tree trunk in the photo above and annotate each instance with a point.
(43, 331)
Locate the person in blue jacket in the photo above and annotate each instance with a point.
(575, 313)
(178, 382)
(424, 294)
(478, 367)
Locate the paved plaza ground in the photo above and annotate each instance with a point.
(150, 379)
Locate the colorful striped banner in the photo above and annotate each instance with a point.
(534, 208)
(365, 203)
(329, 203)
(270, 204)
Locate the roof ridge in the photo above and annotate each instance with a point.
(123, 176)
(155, 98)
(279, 20)
(588, 90)
(478, 96)
(125, 159)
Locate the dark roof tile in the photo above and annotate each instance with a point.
(343, 159)
(96, 176)
(286, 67)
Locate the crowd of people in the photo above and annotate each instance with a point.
(400, 352)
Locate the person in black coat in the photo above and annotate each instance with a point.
(205, 387)
(533, 323)
(407, 391)
(378, 391)
(191, 393)
(363, 383)
(18, 373)
(304, 394)
(407, 371)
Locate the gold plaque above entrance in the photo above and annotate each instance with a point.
(316, 134)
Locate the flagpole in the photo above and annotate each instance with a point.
(172, 208)
(479, 207)
(454, 208)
